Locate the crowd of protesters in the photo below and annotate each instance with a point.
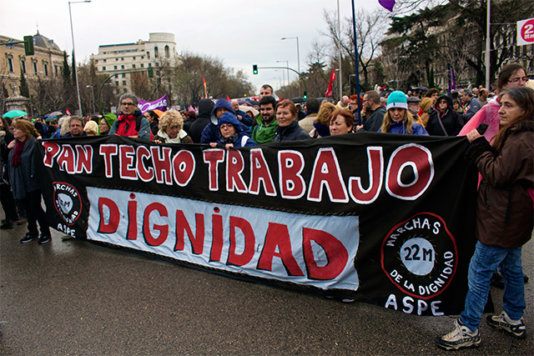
(503, 154)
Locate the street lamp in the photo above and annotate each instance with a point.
(287, 69)
(92, 96)
(74, 55)
(298, 51)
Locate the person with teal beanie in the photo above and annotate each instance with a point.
(397, 119)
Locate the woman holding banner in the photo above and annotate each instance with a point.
(511, 75)
(231, 133)
(24, 184)
(170, 129)
(505, 218)
(341, 122)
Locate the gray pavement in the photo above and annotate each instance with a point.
(77, 298)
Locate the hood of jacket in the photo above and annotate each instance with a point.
(205, 107)
(222, 103)
(448, 99)
(229, 118)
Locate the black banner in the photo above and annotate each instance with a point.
(387, 219)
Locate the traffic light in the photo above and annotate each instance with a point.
(150, 72)
(28, 45)
(254, 69)
(305, 96)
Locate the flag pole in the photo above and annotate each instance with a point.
(357, 72)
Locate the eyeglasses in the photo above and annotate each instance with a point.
(128, 104)
(518, 79)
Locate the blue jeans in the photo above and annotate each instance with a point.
(483, 264)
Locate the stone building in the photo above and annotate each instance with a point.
(121, 58)
(46, 63)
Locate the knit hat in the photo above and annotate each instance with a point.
(110, 118)
(397, 99)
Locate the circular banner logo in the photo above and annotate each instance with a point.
(67, 202)
(527, 31)
(420, 256)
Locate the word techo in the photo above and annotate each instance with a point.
(159, 164)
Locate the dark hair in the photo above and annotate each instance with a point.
(373, 95)
(431, 92)
(288, 104)
(524, 98)
(346, 114)
(506, 72)
(266, 100)
(5, 123)
(192, 114)
(312, 105)
(153, 115)
(268, 86)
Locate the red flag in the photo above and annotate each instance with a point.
(227, 98)
(328, 92)
(68, 112)
(205, 87)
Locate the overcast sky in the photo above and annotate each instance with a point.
(238, 32)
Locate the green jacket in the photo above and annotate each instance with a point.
(262, 133)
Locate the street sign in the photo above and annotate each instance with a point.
(525, 32)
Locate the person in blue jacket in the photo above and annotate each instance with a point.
(230, 133)
(210, 133)
(397, 120)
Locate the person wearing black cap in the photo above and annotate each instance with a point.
(413, 105)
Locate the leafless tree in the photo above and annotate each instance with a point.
(370, 30)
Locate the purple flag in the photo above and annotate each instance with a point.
(387, 4)
(160, 104)
(452, 85)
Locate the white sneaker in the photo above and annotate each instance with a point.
(517, 328)
(460, 337)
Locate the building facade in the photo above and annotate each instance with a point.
(46, 63)
(119, 60)
(420, 57)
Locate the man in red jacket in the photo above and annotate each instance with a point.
(131, 122)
